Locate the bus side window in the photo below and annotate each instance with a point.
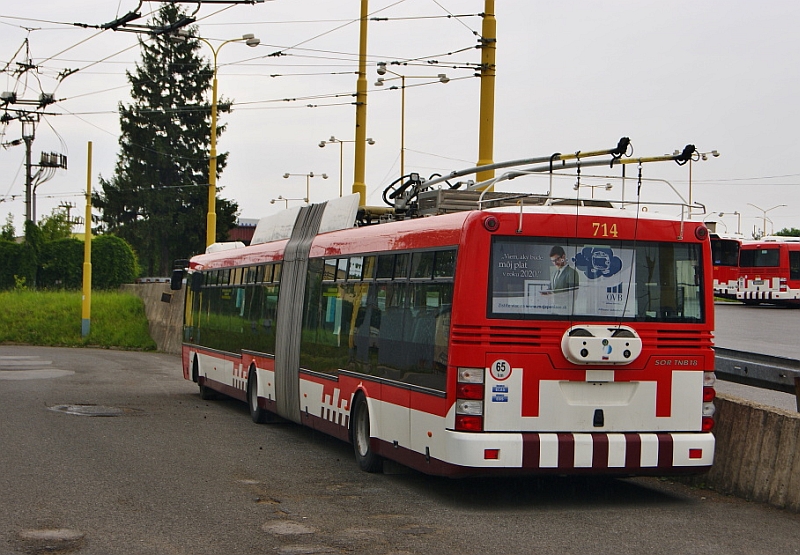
(794, 264)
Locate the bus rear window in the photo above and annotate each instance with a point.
(759, 258)
(725, 252)
(551, 278)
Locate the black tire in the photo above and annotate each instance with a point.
(206, 393)
(259, 415)
(367, 460)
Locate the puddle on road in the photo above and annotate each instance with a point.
(286, 528)
(92, 410)
(51, 540)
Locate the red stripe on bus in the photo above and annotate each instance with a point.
(566, 451)
(531, 451)
(600, 451)
(633, 451)
(665, 448)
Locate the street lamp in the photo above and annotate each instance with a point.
(334, 140)
(696, 156)
(286, 200)
(382, 70)
(308, 177)
(712, 228)
(211, 220)
(764, 216)
(738, 220)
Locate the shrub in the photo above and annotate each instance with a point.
(59, 264)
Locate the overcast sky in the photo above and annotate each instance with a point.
(571, 75)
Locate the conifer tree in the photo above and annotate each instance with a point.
(157, 198)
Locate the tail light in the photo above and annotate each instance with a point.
(709, 394)
(469, 400)
(701, 232)
(783, 286)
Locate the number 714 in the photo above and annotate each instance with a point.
(604, 230)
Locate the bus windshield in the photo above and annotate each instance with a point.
(562, 279)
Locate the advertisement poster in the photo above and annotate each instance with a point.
(537, 278)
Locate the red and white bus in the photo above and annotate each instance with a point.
(769, 271)
(725, 257)
(542, 337)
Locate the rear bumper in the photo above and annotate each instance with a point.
(566, 453)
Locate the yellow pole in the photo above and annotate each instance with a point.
(359, 185)
(486, 129)
(86, 303)
(211, 220)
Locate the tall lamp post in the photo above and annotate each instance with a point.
(334, 140)
(308, 177)
(764, 215)
(382, 70)
(211, 220)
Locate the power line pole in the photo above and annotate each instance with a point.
(28, 121)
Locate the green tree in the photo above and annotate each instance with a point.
(7, 231)
(55, 226)
(788, 232)
(157, 199)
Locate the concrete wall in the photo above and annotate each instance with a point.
(758, 453)
(758, 447)
(165, 318)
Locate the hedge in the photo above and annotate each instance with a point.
(59, 264)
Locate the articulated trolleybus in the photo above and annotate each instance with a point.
(505, 333)
(769, 271)
(725, 256)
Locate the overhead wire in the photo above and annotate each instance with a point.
(458, 19)
(284, 50)
(350, 22)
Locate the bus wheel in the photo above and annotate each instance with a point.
(368, 461)
(206, 393)
(259, 415)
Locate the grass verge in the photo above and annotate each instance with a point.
(53, 318)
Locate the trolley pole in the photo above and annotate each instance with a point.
(86, 300)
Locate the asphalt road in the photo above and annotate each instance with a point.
(164, 472)
(764, 329)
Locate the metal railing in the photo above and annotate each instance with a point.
(763, 371)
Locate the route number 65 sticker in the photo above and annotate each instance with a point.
(500, 370)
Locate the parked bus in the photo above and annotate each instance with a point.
(769, 271)
(455, 344)
(725, 257)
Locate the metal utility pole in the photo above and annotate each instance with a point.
(359, 170)
(486, 129)
(29, 123)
